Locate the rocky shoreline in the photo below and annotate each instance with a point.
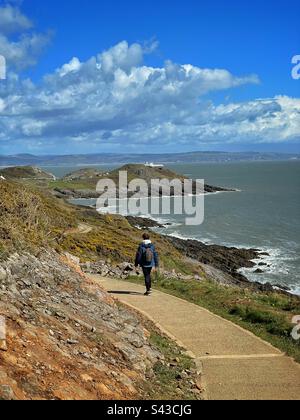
(221, 263)
(143, 222)
(93, 194)
(70, 194)
(224, 259)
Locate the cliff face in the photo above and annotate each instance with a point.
(66, 338)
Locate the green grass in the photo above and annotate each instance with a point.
(112, 237)
(73, 185)
(267, 315)
(133, 171)
(165, 384)
(29, 219)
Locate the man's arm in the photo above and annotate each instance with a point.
(138, 257)
(156, 258)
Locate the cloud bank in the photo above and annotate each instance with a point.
(114, 101)
(19, 44)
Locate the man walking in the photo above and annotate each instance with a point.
(147, 258)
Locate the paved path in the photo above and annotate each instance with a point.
(236, 364)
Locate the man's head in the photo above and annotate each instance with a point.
(146, 237)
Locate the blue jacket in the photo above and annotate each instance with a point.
(139, 260)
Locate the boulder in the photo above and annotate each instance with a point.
(126, 267)
(6, 393)
(72, 258)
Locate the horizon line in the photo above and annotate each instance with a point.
(152, 154)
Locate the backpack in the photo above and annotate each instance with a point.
(148, 255)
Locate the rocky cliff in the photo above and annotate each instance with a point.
(68, 339)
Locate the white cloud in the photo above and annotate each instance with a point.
(19, 45)
(121, 56)
(114, 101)
(12, 20)
(2, 105)
(73, 66)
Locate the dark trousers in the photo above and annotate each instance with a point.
(147, 275)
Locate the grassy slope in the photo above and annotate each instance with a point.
(28, 172)
(80, 184)
(268, 315)
(114, 238)
(147, 173)
(30, 218)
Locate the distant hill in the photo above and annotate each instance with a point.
(25, 172)
(110, 158)
(146, 173)
(83, 174)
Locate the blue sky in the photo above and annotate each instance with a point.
(128, 85)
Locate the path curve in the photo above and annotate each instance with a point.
(237, 365)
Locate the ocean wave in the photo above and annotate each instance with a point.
(166, 223)
(277, 269)
(277, 263)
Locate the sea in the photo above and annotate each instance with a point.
(263, 213)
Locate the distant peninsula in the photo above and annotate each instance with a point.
(82, 183)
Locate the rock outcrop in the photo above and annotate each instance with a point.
(66, 337)
(222, 263)
(125, 270)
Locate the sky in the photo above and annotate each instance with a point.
(161, 76)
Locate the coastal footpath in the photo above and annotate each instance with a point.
(234, 364)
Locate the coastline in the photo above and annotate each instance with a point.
(71, 194)
(235, 264)
(268, 266)
(226, 265)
